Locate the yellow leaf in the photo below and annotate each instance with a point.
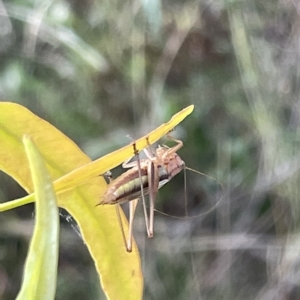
(79, 190)
(99, 227)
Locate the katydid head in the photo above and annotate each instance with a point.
(169, 160)
(175, 165)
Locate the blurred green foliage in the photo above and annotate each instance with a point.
(100, 70)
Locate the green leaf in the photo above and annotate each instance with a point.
(40, 272)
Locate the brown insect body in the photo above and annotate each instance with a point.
(127, 186)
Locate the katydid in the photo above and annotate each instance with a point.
(145, 177)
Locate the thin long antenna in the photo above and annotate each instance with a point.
(185, 198)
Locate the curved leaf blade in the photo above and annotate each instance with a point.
(40, 272)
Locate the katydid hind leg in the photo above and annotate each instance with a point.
(153, 182)
(132, 208)
(142, 190)
(122, 227)
(128, 240)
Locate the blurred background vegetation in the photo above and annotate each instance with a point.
(102, 70)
